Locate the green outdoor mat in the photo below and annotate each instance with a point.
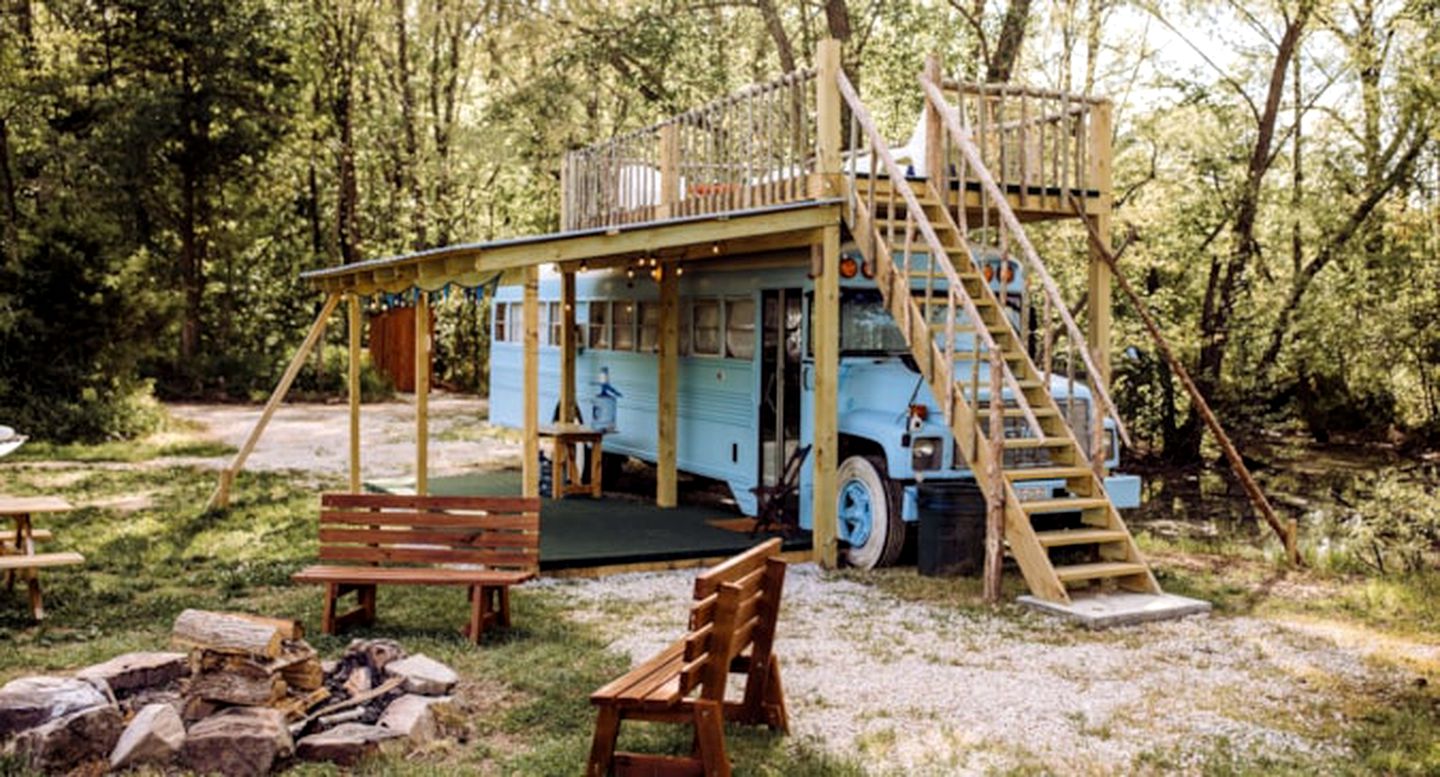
(582, 532)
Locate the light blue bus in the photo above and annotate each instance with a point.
(746, 384)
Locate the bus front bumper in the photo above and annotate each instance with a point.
(1124, 491)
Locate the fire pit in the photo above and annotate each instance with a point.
(247, 696)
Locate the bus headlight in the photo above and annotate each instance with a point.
(925, 453)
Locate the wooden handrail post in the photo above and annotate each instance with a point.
(221, 497)
(934, 129)
(826, 458)
(669, 171)
(995, 477)
(826, 181)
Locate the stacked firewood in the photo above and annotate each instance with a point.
(239, 660)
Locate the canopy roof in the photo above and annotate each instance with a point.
(693, 237)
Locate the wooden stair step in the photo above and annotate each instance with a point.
(1068, 504)
(1046, 473)
(983, 411)
(1104, 569)
(1060, 537)
(38, 560)
(1037, 442)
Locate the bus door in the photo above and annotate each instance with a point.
(782, 317)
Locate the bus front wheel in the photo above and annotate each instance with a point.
(868, 511)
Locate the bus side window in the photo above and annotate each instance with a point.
(622, 315)
(706, 326)
(685, 327)
(552, 332)
(649, 327)
(740, 328)
(599, 324)
(501, 309)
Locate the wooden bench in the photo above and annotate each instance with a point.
(485, 544)
(732, 630)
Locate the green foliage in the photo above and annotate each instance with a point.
(1395, 529)
(332, 379)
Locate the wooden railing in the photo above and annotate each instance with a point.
(997, 230)
(1033, 141)
(748, 150)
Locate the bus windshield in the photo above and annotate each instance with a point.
(866, 326)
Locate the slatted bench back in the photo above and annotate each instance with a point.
(500, 533)
(735, 608)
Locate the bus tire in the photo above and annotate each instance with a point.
(868, 505)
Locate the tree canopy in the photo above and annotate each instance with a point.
(168, 167)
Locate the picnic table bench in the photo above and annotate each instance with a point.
(484, 544)
(732, 630)
(18, 557)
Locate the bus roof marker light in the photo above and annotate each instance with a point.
(848, 267)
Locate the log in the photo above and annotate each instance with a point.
(223, 633)
(289, 628)
(247, 686)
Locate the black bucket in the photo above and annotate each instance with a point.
(952, 529)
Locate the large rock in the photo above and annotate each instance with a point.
(424, 675)
(377, 652)
(33, 701)
(238, 742)
(346, 744)
(413, 716)
(137, 671)
(65, 743)
(154, 736)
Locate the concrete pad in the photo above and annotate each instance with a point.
(1122, 608)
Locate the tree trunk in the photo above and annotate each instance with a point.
(1225, 279)
(1007, 49)
(407, 172)
(773, 24)
(10, 236)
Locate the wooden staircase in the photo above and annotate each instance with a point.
(995, 399)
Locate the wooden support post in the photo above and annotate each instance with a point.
(669, 172)
(422, 393)
(826, 181)
(531, 469)
(221, 497)
(354, 388)
(667, 417)
(568, 344)
(934, 128)
(827, 367)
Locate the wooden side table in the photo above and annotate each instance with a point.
(565, 475)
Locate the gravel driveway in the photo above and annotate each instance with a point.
(918, 689)
(316, 437)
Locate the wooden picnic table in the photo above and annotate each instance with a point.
(18, 558)
(565, 473)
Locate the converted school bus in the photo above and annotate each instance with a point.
(765, 272)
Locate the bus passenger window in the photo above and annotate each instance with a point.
(649, 327)
(599, 324)
(740, 328)
(552, 333)
(623, 317)
(501, 308)
(684, 327)
(706, 326)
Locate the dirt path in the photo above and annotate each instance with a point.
(315, 437)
